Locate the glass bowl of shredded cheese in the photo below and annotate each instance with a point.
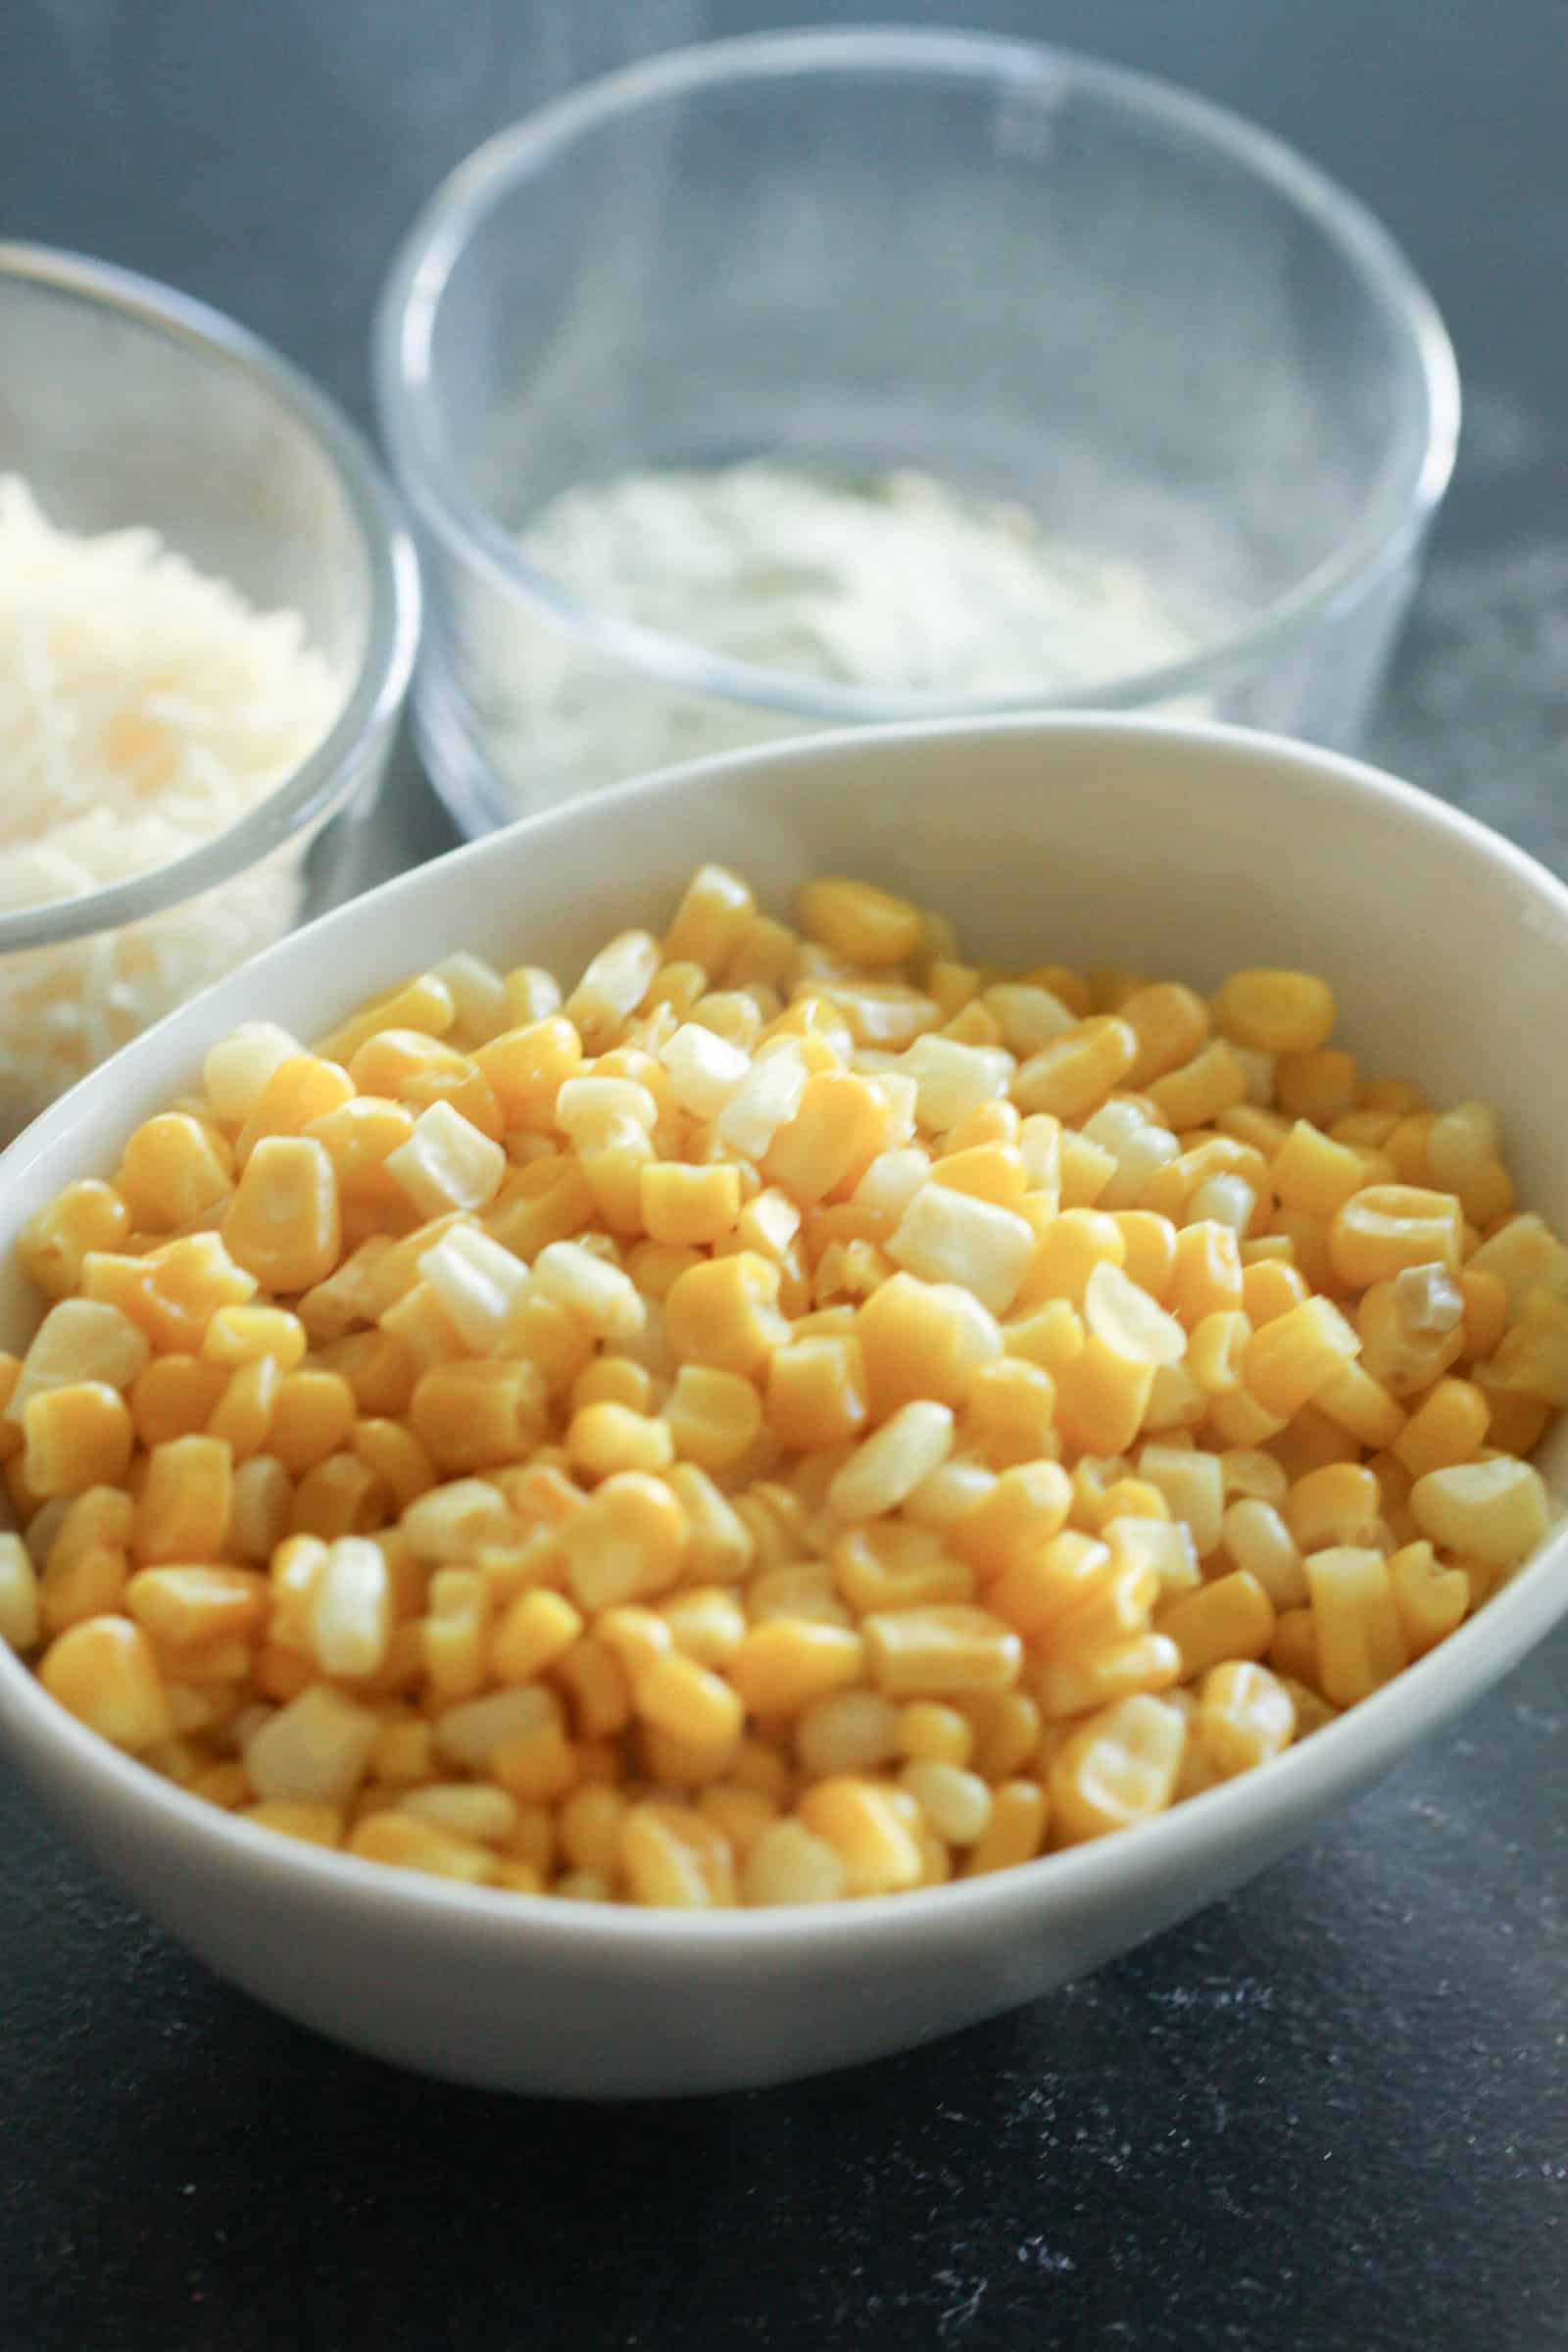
(208, 610)
(828, 378)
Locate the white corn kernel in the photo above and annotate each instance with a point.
(947, 1236)
(705, 1069)
(768, 1097)
(1222, 1201)
(237, 1068)
(351, 1608)
(476, 1283)
(952, 1080)
(892, 1461)
(1128, 1321)
(81, 1339)
(447, 1164)
(313, 1750)
(602, 1295)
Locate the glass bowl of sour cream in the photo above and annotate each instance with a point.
(827, 380)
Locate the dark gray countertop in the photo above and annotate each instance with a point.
(1333, 2111)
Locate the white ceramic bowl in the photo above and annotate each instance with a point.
(1186, 852)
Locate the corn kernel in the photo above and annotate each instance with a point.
(1494, 1511)
(933, 1652)
(1118, 1768)
(1244, 1716)
(1359, 1639)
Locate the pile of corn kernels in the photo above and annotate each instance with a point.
(804, 1417)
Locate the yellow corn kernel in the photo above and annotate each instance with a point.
(1074, 1074)
(183, 1510)
(786, 1663)
(20, 1620)
(1431, 1599)
(1494, 1511)
(628, 1541)
(1102, 1397)
(1014, 1831)
(1448, 1427)
(479, 1417)
(858, 922)
(1074, 1685)
(86, 1581)
(1196, 1093)
(283, 1224)
(1258, 1541)
(877, 1849)
(1411, 1328)
(104, 1672)
(934, 1652)
(1244, 1716)
(816, 1391)
(1231, 1618)
(922, 1341)
(1044, 1583)
(720, 1545)
(238, 1334)
(1086, 1170)
(78, 1437)
(606, 1437)
(1163, 1544)
(1531, 1357)
(243, 1416)
(713, 1417)
(1486, 1311)
(1006, 1727)
(174, 1169)
(1355, 1621)
(404, 1843)
(1275, 1011)
(994, 1171)
(1206, 1276)
(673, 1859)
(1127, 1321)
(1011, 1418)
(537, 1629)
(527, 1066)
(187, 1606)
(314, 1415)
(1021, 1510)
(1216, 1353)
(725, 1313)
(1295, 1353)
(688, 1204)
(717, 914)
(1292, 1651)
(88, 1215)
(81, 1339)
(888, 1565)
(691, 1703)
(1171, 1025)
(1313, 1172)
(1359, 1404)
(1517, 1422)
(1117, 1769)
(238, 1066)
(1385, 1227)
(1150, 1243)
(261, 1507)
(1318, 1084)
(1270, 1287)
(394, 1455)
(300, 1090)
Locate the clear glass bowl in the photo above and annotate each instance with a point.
(123, 403)
(1034, 276)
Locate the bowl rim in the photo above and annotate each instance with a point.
(373, 696)
(1414, 476)
(1333, 1762)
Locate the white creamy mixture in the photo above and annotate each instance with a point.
(889, 582)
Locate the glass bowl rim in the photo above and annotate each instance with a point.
(377, 691)
(1414, 477)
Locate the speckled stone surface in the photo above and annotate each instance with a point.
(1331, 2112)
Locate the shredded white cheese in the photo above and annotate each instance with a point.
(144, 707)
(889, 581)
